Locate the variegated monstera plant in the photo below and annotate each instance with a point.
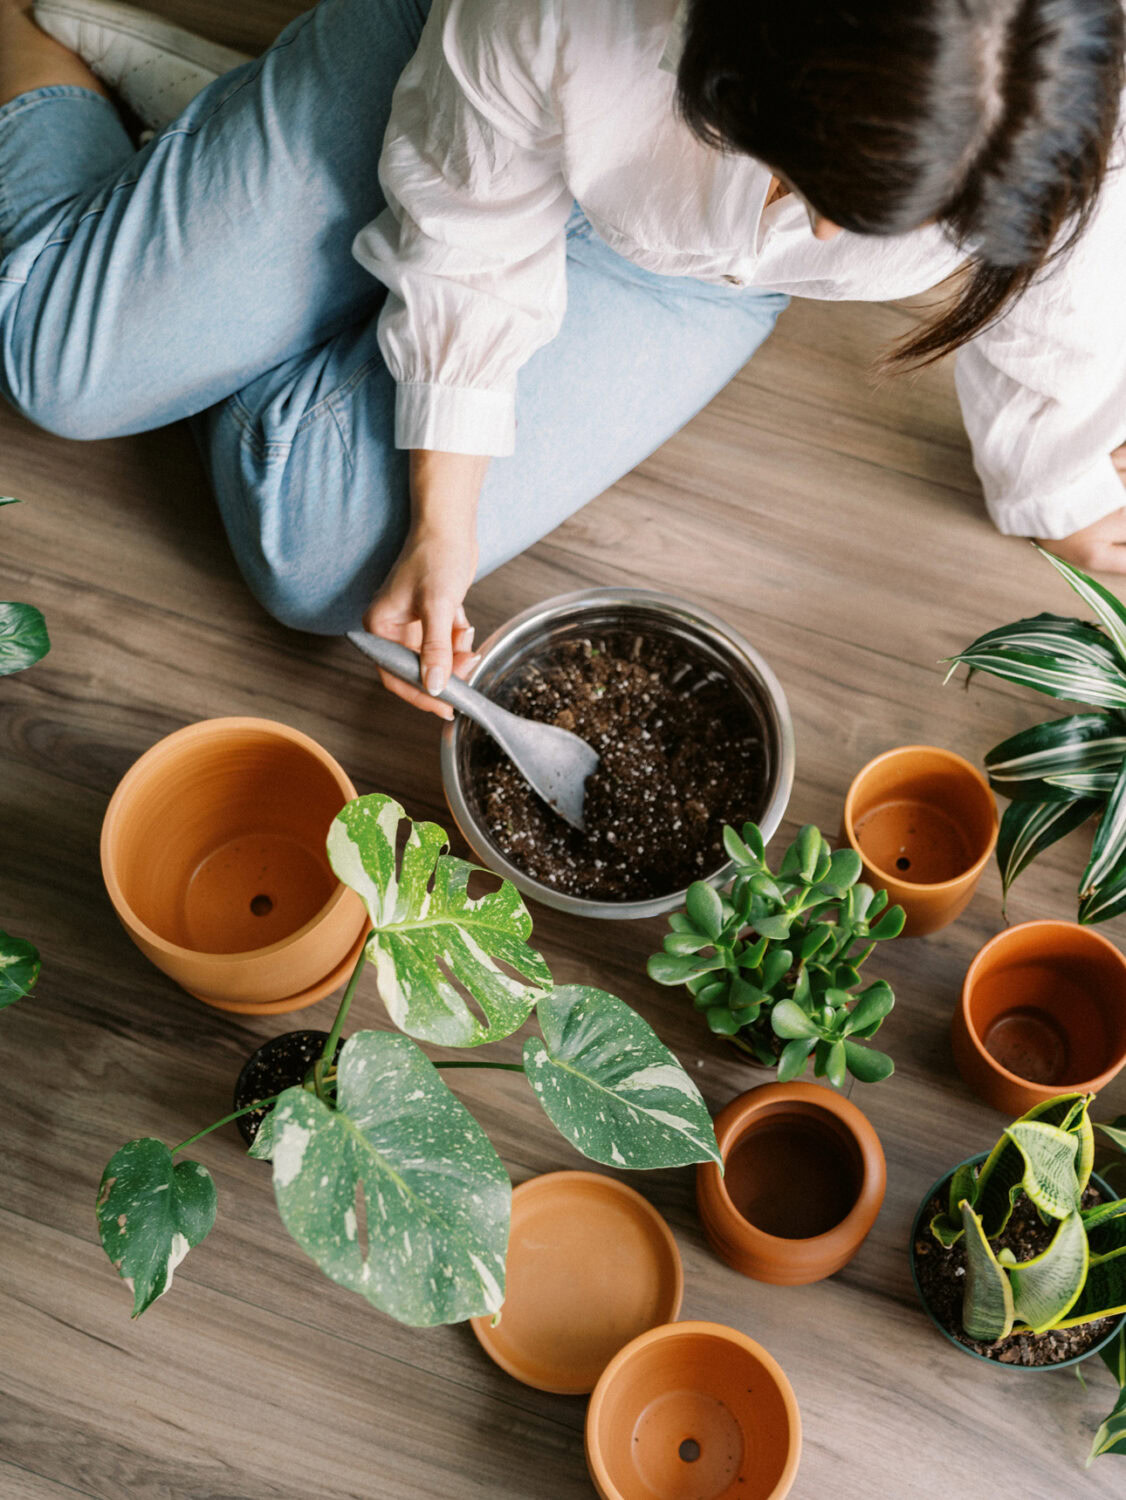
(1062, 773)
(1046, 1157)
(381, 1174)
(23, 641)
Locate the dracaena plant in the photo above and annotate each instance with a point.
(1045, 1157)
(1063, 772)
(774, 961)
(380, 1173)
(23, 642)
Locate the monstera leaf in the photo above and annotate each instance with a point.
(19, 969)
(433, 948)
(611, 1086)
(396, 1193)
(150, 1214)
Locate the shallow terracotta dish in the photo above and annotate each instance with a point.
(591, 1264)
(924, 823)
(1042, 1012)
(693, 1411)
(213, 854)
(803, 1183)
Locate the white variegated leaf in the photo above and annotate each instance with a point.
(430, 942)
(1028, 828)
(1109, 609)
(611, 1086)
(1110, 839)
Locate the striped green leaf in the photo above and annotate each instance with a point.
(1078, 745)
(1113, 1355)
(1059, 656)
(150, 1214)
(1028, 828)
(1111, 1436)
(610, 1085)
(1106, 1228)
(987, 1302)
(431, 942)
(19, 968)
(1115, 1131)
(1104, 1292)
(1106, 605)
(397, 1193)
(1046, 1287)
(1102, 887)
(1003, 1172)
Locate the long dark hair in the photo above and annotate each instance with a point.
(994, 117)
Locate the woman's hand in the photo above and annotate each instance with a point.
(421, 603)
(1100, 547)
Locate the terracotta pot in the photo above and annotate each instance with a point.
(568, 1312)
(924, 823)
(1043, 1012)
(803, 1182)
(213, 854)
(693, 1411)
(918, 1228)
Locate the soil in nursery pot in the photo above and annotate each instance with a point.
(941, 1274)
(277, 1065)
(681, 753)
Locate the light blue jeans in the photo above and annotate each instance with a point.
(209, 276)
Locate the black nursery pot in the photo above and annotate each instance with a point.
(278, 1064)
(940, 1186)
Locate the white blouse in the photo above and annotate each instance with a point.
(512, 109)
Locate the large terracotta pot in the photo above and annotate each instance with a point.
(213, 854)
(1042, 1012)
(804, 1178)
(693, 1411)
(924, 823)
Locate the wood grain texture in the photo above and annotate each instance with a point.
(840, 528)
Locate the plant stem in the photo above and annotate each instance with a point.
(226, 1120)
(329, 1053)
(508, 1067)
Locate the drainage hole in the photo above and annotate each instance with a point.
(261, 906)
(903, 863)
(689, 1450)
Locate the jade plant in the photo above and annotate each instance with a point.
(23, 642)
(380, 1173)
(1061, 773)
(774, 961)
(1045, 1157)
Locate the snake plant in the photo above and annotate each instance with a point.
(1063, 772)
(1046, 1157)
(380, 1173)
(774, 962)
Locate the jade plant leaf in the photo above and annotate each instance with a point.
(1046, 1288)
(867, 1063)
(150, 1214)
(19, 968)
(23, 637)
(396, 1193)
(432, 946)
(610, 1085)
(1111, 1436)
(987, 1302)
(1049, 1166)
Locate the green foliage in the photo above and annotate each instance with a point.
(381, 1175)
(1080, 1277)
(23, 630)
(776, 958)
(1063, 772)
(19, 968)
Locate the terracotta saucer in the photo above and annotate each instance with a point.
(590, 1266)
(315, 992)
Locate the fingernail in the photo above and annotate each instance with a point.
(468, 636)
(435, 680)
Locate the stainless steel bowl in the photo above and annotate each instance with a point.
(573, 617)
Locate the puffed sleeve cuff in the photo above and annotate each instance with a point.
(455, 419)
(1086, 500)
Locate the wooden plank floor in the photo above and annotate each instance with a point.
(837, 526)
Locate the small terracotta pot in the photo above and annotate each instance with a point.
(1043, 1012)
(213, 854)
(693, 1411)
(924, 823)
(804, 1178)
(918, 1228)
